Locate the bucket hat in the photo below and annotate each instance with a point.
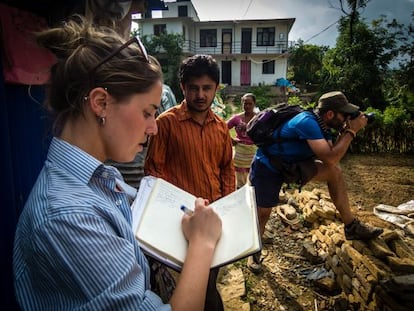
(336, 101)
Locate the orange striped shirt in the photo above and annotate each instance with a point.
(194, 157)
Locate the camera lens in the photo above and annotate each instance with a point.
(370, 116)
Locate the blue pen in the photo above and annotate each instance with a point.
(186, 210)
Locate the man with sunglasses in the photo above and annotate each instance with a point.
(306, 151)
(193, 148)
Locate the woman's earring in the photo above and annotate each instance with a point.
(102, 121)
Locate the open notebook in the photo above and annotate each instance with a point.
(157, 223)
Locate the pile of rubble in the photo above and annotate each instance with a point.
(307, 233)
(373, 275)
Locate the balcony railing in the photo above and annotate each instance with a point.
(237, 48)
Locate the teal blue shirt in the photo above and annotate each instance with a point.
(302, 127)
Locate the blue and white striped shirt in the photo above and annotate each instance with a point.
(74, 246)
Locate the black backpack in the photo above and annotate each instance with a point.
(261, 127)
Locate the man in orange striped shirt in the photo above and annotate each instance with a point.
(193, 148)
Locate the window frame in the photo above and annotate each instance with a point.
(182, 11)
(265, 36)
(268, 66)
(208, 38)
(159, 29)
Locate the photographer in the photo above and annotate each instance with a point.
(305, 152)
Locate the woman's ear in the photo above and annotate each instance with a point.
(97, 100)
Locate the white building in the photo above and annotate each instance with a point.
(249, 52)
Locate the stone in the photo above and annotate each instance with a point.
(232, 288)
(335, 260)
(308, 195)
(400, 285)
(377, 268)
(308, 214)
(347, 282)
(401, 248)
(347, 267)
(341, 304)
(379, 248)
(362, 247)
(338, 272)
(324, 213)
(389, 235)
(388, 302)
(405, 265)
(355, 283)
(325, 197)
(365, 278)
(337, 239)
(317, 191)
(350, 254)
(366, 295)
(268, 237)
(328, 208)
(327, 285)
(309, 252)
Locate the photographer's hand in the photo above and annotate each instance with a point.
(357, 123)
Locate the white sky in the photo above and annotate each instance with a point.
(312, 16)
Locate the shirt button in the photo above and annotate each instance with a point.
(118, 202)
(105, 174)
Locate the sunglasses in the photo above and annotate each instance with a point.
(136, 40)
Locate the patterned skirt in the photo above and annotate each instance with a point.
(243, 156)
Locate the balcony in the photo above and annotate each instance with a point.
(237, 48)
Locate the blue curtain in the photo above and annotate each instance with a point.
(24, 141)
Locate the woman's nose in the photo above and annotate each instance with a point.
(153, 128)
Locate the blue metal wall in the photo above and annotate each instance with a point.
(24, 141)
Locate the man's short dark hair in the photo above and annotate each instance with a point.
(197, 66)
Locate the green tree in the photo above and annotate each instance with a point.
(406, 52)
(358, 65)
(167, 48)
(399, 82)
(305, 63)
(353, 6)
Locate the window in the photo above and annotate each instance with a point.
(226, 39)
(266, 36)
(182, 11)
(160, 29)
(208, 38)
(268, 66)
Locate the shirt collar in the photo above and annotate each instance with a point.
(73, 159)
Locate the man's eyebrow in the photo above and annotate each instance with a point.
(155, 106)
(202, 85)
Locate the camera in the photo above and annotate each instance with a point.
(370, 115)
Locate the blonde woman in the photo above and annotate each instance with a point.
(74, 247)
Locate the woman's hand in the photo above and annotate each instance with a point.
(203, 226)
(202, 229)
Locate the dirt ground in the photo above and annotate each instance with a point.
(282, 285)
